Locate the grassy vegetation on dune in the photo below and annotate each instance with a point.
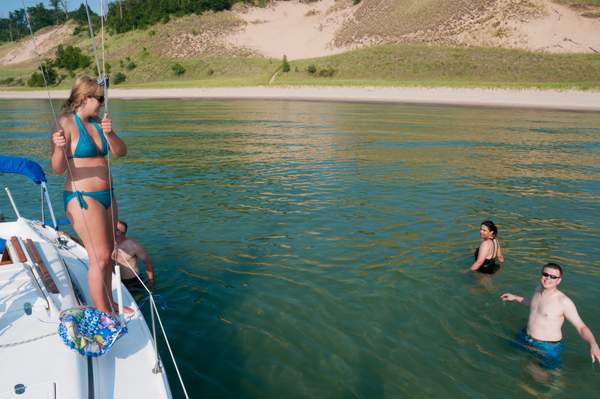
(578, 2)
(586, 8)
(442, 66)
(391, 65)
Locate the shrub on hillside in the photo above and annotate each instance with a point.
(7, 81)
(312, 69)
(11, 82)
(120, 77)
(71, 58)
(355, 2)
(37, 79)
(327, 72)
(178, 69)
(131, 66)
(285, 65)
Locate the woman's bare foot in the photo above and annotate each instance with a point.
(127, 311)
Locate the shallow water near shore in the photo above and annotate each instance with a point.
(315, 249)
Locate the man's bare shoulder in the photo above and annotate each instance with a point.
(563, 299)
(130, 243)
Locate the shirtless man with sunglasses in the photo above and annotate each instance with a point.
(548, 309)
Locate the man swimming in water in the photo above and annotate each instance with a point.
(127, 253)
(548, 309)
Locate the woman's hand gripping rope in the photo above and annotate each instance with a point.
(106, 125)
(58, 138)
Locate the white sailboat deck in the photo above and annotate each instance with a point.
(34, 362)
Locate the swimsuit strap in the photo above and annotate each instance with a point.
(82, 130)
(495, 248)
(101, 134)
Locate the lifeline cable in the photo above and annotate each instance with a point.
(154, 311)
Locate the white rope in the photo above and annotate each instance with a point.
(154, 311)
(104, 74)
(41, 65)
(103, 82)
(87, 12)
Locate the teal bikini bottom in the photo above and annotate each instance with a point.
(103, 197)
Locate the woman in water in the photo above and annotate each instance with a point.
(489, 254)
(80, 142)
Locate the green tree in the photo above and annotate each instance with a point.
(178, 69)
(71, 58)
(120, 77)
(37, 79)
(285, 65)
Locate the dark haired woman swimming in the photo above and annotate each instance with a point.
(489, 254)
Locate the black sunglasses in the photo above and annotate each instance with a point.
(552, 276)
(99, 98)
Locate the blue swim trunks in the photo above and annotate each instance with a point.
(548, 353)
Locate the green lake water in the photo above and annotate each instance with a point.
(315, 249)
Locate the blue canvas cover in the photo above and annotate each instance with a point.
(23, 167)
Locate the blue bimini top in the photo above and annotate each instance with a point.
(22, 166)
(86, 148)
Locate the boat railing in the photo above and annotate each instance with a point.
(19, 254)
(44, 196)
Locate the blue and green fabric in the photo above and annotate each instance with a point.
(89, 331)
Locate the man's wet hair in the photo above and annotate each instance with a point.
(124, 224)
(554, 266)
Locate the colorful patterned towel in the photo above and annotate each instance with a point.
(89, 331)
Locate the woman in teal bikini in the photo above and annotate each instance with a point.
(80, 142)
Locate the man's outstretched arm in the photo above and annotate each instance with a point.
(583, 330)
(141, 254)
(512, 297)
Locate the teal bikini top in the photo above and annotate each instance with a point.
(86, 148)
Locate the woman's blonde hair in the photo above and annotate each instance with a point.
(83, 88)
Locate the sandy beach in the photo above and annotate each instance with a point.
(541, 99)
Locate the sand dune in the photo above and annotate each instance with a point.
(304, 30)
(312, 29)
(298, 30)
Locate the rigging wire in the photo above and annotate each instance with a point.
(104, 81)
(64, 150)
(57, 124)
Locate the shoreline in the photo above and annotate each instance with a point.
(568, 100)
